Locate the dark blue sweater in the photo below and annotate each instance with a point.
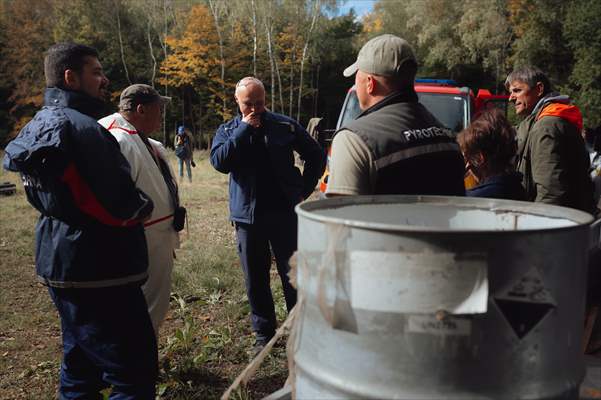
(261, 164)
(506, 186)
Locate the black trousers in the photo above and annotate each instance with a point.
(278, 229)
(108, 340)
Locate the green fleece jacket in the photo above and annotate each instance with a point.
(552, 156)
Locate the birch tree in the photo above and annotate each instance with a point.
(159, 18)
(117, 5)
(255, 34)
(268, 25)
(217, 9)
(315, 13)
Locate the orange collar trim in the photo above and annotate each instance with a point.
(568, 112)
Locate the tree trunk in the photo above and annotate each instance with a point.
(291, 97)
(184, 106)
(316, 90)
(191, 114)
(275, 70)
(254, 18)
(497, 75)
(163, 43)
(163, 40)
(271, 64)
(279, 76)
(117, 4)
(213, 8)
(304, 55)
(200, 134)
(154, 60)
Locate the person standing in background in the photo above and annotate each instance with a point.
(184, 150)
(488, 146)
(551, 155)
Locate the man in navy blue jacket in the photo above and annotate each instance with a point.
(90, 245)
(256, 149)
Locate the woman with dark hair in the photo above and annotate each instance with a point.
(488, 145)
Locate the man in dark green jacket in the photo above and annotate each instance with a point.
(551, 153)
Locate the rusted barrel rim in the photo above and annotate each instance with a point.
(579, 218)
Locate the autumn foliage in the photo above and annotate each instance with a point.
(196, 51)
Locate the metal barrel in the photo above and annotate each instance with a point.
(426, 297)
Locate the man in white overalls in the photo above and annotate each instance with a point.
(140, 113)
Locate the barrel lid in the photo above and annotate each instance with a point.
(533, 216)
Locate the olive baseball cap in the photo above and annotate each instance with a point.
(383, 55)
(139, 93)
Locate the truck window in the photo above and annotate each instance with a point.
(350, 109)
(450, 110)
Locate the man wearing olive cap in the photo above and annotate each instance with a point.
(140, 114)
(395, 146)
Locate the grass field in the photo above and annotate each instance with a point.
(204, 343)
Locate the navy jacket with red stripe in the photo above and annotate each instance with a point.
(89, 233)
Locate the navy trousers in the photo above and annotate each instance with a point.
(108, 341)
(280, 230)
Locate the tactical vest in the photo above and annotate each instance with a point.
(412, 151)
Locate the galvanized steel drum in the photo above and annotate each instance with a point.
(407, 297)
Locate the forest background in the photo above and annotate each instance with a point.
(196, 51)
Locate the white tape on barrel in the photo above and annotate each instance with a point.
(418, 283)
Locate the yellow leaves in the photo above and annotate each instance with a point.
(519, 12)
(290, 44)
(373, 23)
(238, 52)
(200, 28)
(193, 57)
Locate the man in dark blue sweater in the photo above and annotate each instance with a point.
(256, 149)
